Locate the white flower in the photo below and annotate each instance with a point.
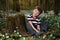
(3, 35)
(50, 24)
(23, 38)
(17, 32)
(13, 39)
(16, 27)
(51, 35)
(14, 30)
(7, 36)
(44, 36)
(20, 35)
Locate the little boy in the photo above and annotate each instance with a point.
(33, 22)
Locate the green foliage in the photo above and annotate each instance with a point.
(53, 25)
(2, 23)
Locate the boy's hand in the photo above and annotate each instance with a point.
(37, 31)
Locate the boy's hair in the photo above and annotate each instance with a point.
(39, 9)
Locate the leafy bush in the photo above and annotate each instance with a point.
(53, 24)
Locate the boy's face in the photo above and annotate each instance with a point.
(36, 12)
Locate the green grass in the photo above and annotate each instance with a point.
(23, 38)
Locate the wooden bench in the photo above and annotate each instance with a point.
(17, 22)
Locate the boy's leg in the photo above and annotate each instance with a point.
(30, 30)
(36, 35)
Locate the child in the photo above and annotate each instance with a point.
(33, 22)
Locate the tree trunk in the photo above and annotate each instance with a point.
(16, 6)
(56, 7)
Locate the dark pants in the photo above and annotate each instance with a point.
(31, 30)
(43, 28)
